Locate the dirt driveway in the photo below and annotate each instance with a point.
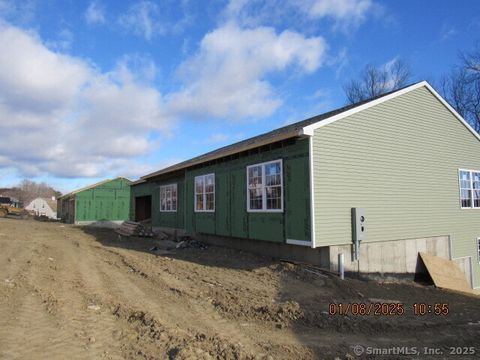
(73, 293)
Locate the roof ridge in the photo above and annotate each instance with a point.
(92, 186)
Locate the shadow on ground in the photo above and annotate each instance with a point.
(375, 319)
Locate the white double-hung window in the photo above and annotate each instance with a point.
(205, 193)
(469, 181)
(168, 198)
(265, 187)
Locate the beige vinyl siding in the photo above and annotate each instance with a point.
(399, 160)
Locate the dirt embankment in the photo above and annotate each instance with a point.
(74, 293)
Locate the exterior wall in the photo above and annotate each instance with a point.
(399, 160)
(231, 217)
(143, 189)
(66, 209)
(174, 219)
(41, 207)
(107, 202)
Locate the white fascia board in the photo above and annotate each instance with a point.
(452, 110)
(309, 130)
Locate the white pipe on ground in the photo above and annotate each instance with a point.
(341, 266)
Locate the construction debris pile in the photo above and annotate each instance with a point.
(191, 244)
(132, 228)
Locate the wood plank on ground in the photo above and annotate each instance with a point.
(445, 273)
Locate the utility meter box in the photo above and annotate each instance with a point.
(359, 224)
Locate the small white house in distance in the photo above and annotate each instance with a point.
(44, 206)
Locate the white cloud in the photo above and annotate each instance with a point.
(228, 75)
(32, 77)
(149, 20)
(141, 65)
(344, 13)
(18, 11)
(142, 19)
(61, 116)
(95, 14)
(217, 138)
(350, 10)
(448, 31)
(63, 42)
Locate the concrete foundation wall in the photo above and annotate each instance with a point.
(390, 257)
(465, 264)
(379, 260)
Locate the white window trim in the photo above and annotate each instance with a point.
(160, 196)
(264, 187)
(471, 189)
(204, 193)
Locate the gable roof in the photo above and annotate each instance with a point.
(52, 204)
(306, 128)
(92, 186)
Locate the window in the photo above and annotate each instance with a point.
(469, 188)
(205, 193)
(265, 187)
(168, 198)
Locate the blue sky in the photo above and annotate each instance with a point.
(97, 89)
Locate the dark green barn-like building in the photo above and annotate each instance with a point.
(104, 203)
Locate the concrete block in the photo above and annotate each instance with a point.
(399, 256)
(388, 258)
(421, 245)
(431, 248)
(411, 255)
(375, 257)
(364, 260)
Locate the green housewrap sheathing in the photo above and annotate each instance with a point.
(162, 219)
(109, 201)
(231, 217)
(399, 160)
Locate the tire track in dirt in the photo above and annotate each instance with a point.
(49, 313)
(32, 327)
(171, 293)
(84, 303)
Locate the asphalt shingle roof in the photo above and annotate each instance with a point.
(284, 132)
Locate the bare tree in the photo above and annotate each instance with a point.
(461, 88)
(375, 81)
(28, 190)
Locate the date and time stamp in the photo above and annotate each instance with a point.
(388, 309)
(399, 309)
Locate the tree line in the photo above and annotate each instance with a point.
(28, 190)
